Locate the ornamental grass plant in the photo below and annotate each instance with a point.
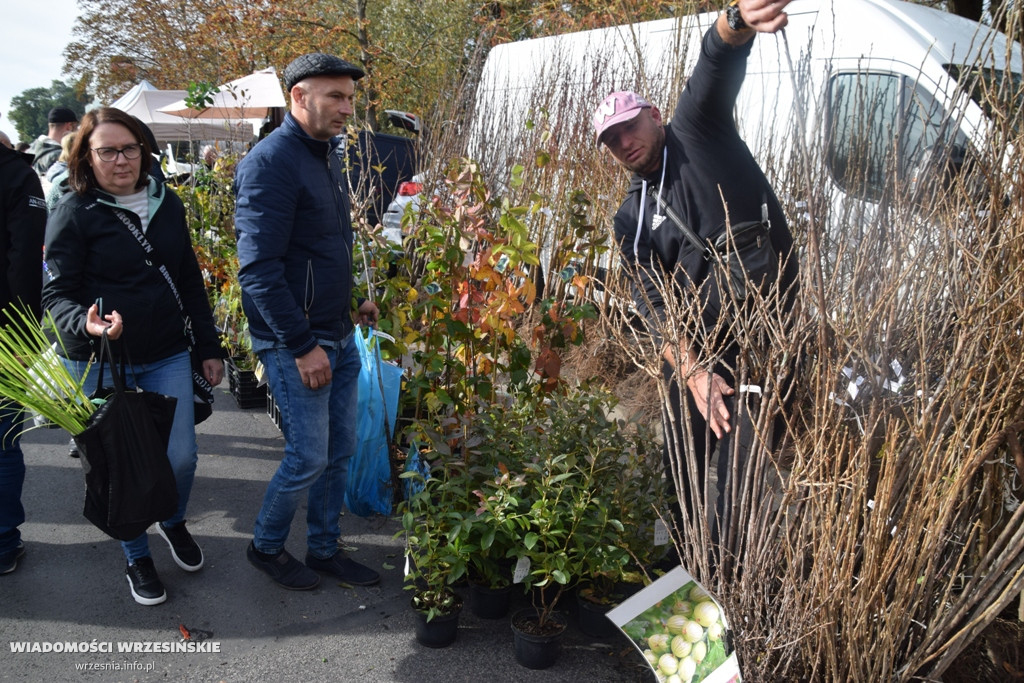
(32, 376)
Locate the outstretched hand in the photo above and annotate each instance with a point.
(764, 16)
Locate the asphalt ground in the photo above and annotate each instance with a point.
(70, 588)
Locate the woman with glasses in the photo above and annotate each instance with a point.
(99, 277)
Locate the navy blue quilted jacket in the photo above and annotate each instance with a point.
(292, 219)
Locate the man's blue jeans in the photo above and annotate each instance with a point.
(171, 376)
(319, 427)
(12, 476)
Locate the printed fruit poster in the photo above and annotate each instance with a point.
(680, 629)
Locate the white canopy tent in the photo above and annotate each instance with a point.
(145, 102)
(246, 97)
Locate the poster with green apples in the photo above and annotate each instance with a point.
(680, 629)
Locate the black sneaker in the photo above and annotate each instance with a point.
(344, 568)
(284, 569)
(144, 582)
(9, 560)
(186, 552)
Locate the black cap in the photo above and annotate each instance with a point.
(319, 64)
(61, 115)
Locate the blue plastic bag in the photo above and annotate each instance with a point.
(415, 463)
(368, 488)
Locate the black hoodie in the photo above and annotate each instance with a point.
(707, 162)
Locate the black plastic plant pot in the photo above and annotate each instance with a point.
(490, 603)
(592, 619)
(245, 387)
(536, 647)
(439, 631)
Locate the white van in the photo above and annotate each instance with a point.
(868, 87)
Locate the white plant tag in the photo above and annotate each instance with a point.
(406, 565)
(660, 533)
(522, 570)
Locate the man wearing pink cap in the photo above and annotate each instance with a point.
(699, 167)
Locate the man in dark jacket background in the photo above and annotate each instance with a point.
(60, 121)
(22, 228)
(699, 166)
(294, 230)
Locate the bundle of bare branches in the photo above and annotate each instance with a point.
(873, 526)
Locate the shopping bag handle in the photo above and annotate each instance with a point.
(105, 354)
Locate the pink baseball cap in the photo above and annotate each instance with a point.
(616, 108)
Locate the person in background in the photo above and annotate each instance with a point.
(694, 163)
(22, 224)
(5, 141)
(57, 176)
(209, 156)
(292, 217)
(100, 278)
(60, 122)
(62, 161)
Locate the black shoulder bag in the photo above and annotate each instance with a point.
(202, 390)
(742, 258)
(129, 483)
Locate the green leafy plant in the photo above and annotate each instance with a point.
(36, 379)
(209, 211)
(566, 509)
(433, 549)
(199, 95)
(471, 291)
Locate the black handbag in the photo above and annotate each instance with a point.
(202, 390)
(129, 483)
(743, 260)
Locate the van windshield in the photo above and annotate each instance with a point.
(995, 91)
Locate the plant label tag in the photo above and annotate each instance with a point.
(660, 533)
(406, 565)
(522, 570)
(502, 265)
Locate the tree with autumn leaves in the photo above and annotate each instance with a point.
(413, 51)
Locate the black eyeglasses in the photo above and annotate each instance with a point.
(110, 153)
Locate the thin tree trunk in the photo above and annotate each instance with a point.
(367, 59)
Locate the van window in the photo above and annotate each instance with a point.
(882, 128)
(997, 92)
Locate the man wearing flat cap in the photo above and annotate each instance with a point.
(292, 219)
(60, 122)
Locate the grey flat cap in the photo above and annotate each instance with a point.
(319, 64)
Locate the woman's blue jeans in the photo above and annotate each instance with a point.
(319, 427)
(171, 376)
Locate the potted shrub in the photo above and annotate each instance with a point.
(560, 487)
(555, 488)
(501, 436)
(242, 365)
(616, 543)
(435, 559)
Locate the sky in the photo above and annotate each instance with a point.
(33, 35)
